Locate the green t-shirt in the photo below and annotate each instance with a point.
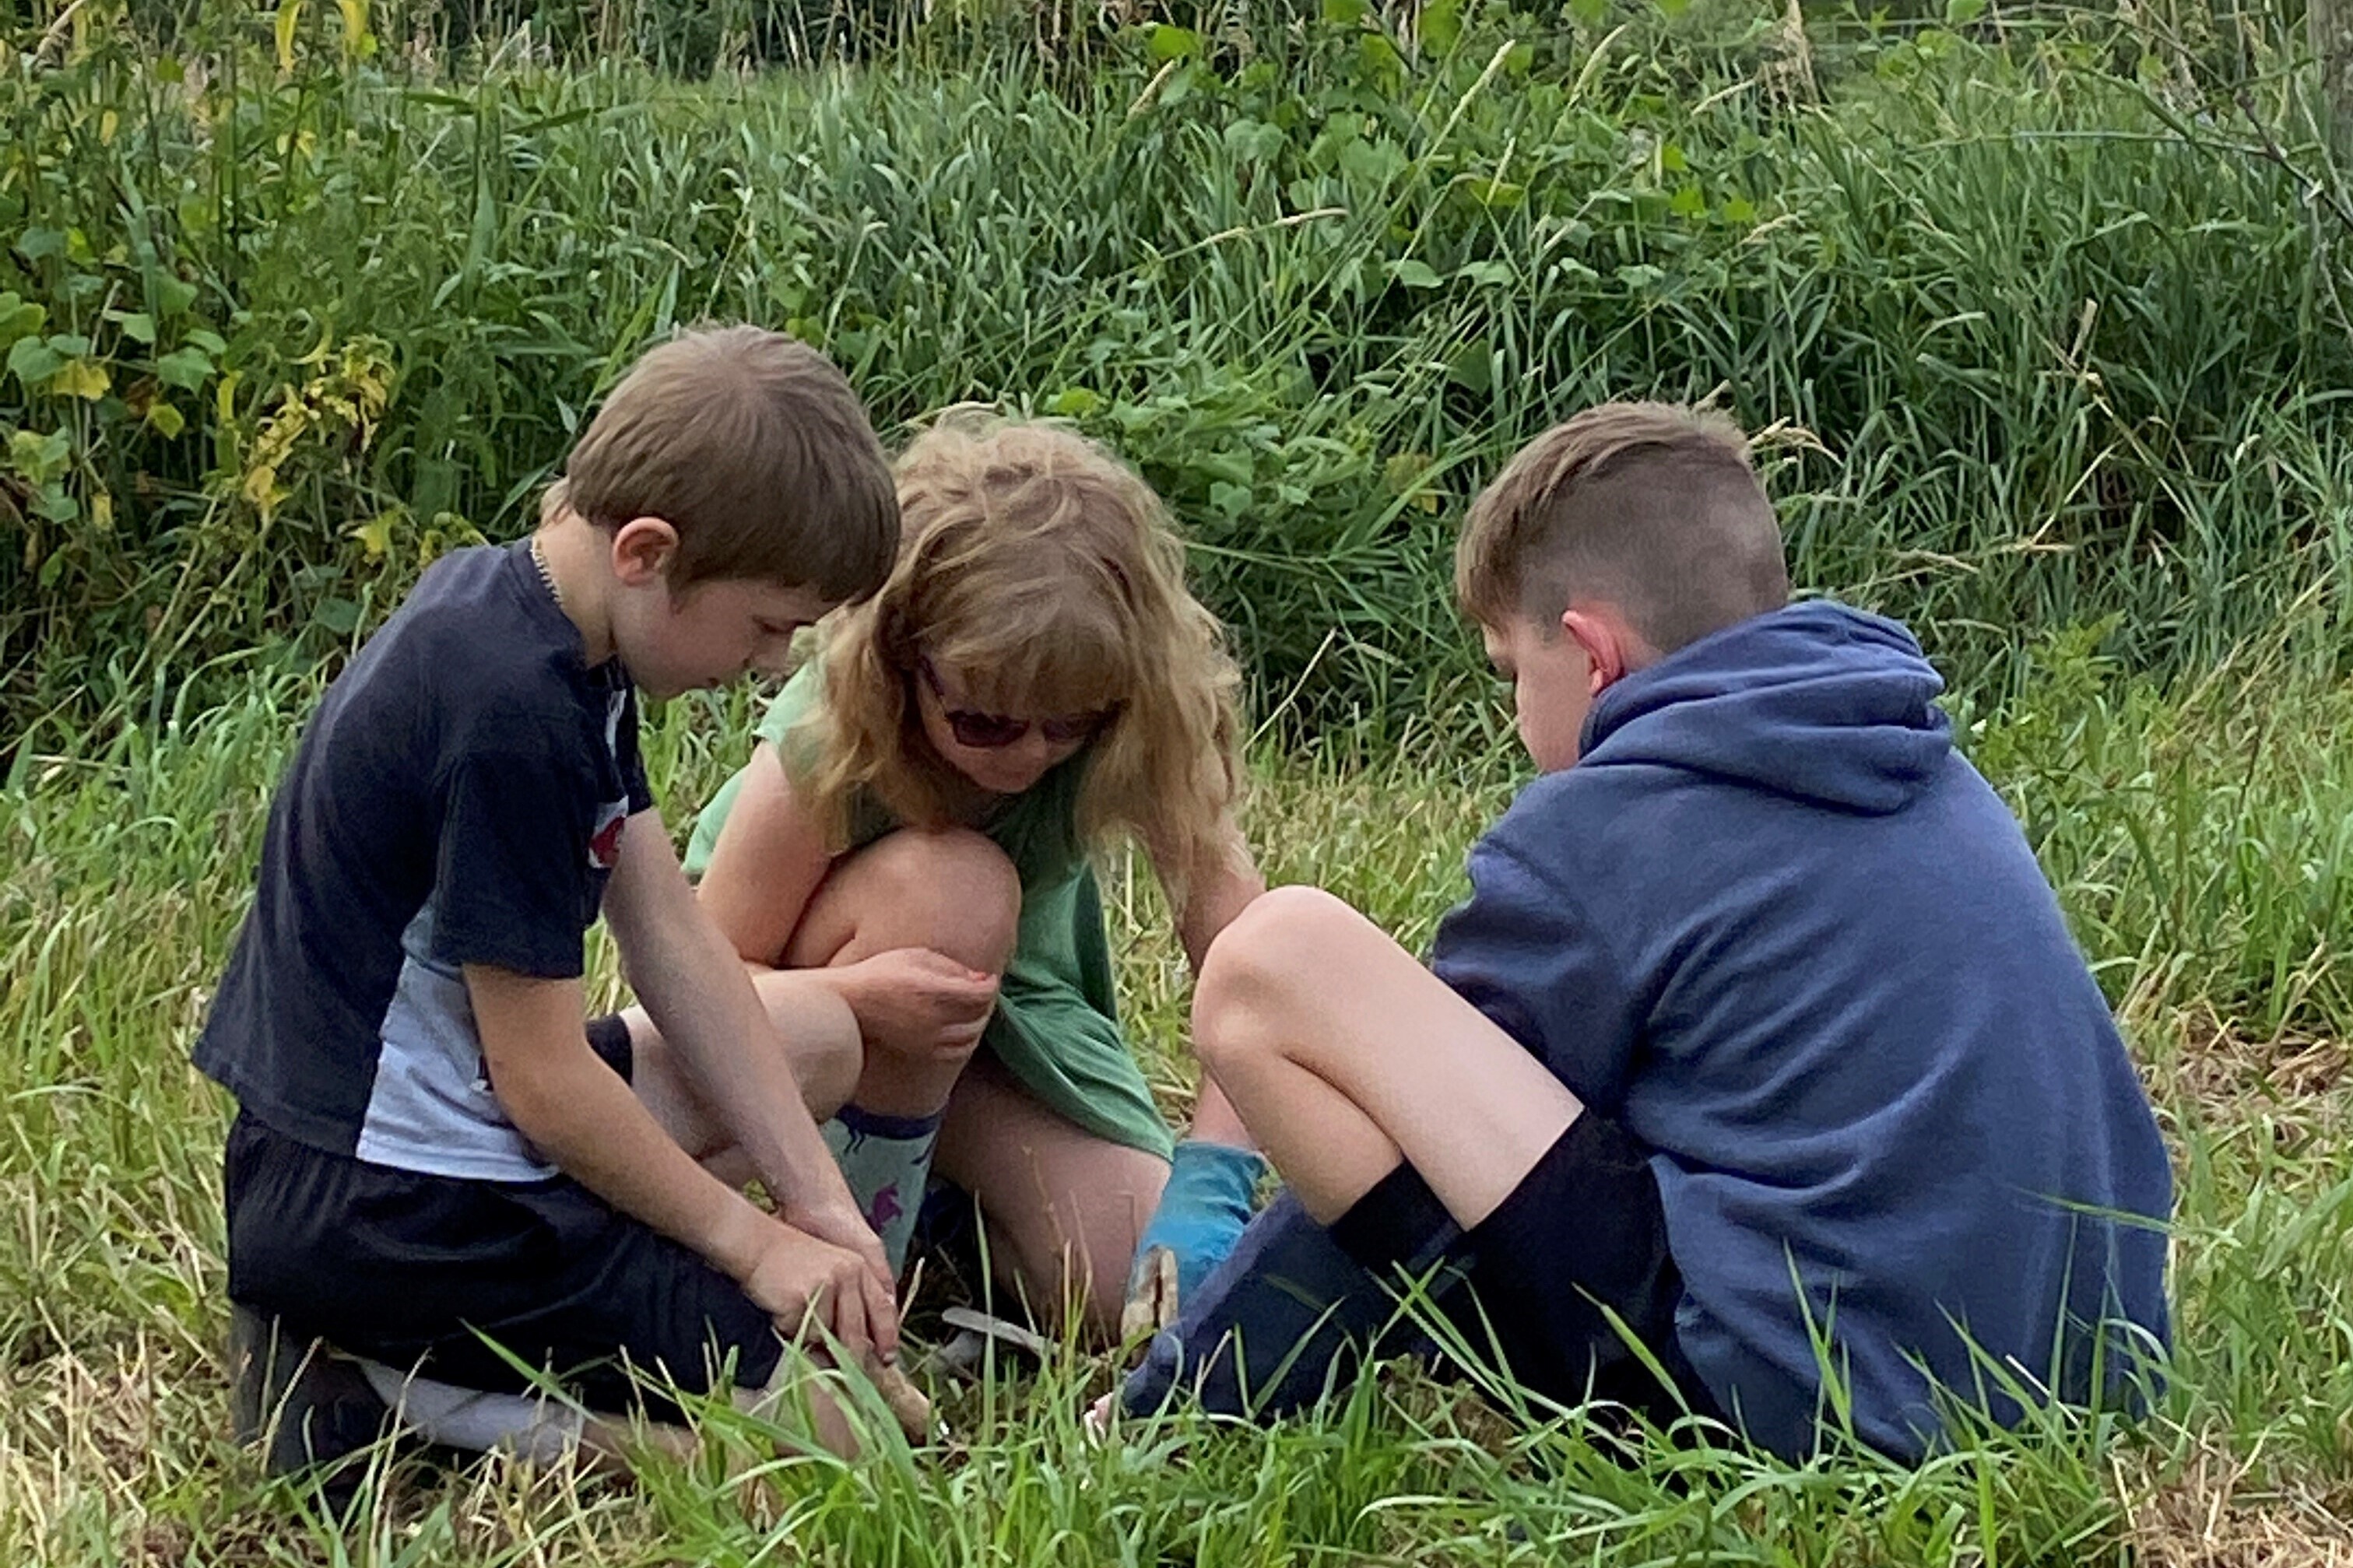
(1055, 1026)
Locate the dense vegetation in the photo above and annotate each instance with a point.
(2044, 311)
(2040, 312)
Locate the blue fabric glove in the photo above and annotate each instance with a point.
(1201, 1214)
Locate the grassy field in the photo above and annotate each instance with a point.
(2043, 309)
(2195, 828)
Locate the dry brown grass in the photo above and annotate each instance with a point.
(2210, 1516)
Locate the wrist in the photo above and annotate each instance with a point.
(740, 1240)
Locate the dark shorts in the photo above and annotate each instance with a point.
(413, 1269)
(1580, 1240)
(1299, 1306)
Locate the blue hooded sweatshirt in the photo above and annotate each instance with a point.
(1777, 927)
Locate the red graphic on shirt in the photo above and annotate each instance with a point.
(604, 844)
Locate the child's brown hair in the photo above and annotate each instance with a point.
(754, 449)
(1651, 506)
(1047, 573)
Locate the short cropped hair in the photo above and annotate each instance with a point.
(1650, 506)
(754, 449)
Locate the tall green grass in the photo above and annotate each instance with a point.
(2045, 336)
(2188, 822)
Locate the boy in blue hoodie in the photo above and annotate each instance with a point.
(1760, 1039)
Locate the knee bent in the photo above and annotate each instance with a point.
(1265, 959)
(956, 870)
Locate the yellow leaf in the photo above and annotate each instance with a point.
(102, 511)
(81, 378)
(165, 420)
(375, 535)
(358, 42)
(261, 488)
(290, 16)
(108, 123)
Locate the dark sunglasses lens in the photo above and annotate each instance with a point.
(985, 731)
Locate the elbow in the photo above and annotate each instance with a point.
(536, 1096)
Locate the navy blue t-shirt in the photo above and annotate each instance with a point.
(457, 799)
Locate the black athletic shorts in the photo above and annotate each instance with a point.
(1582, 1231)
(413, 1269)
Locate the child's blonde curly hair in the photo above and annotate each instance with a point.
(1048, 574)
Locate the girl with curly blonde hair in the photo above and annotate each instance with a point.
(1033, 683)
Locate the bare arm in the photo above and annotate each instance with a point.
(577, 1111)
(767, 866)
(696, 988)
(1224, 880)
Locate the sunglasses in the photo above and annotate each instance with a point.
(994, 731)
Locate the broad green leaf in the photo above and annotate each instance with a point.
(39, 458)
(1170, 42)
(19, 318)
(173, 295)
(39, 244)
(1346, 12)
(1961, 13)
(339, 615)
(1671, 159)
(1073, 402)
(1441, 26)
(184, 368)
(1588, 13)
(1688, 202)
(165, 420)
(32, 361)
(137, 325)
(207, 341)
(1414, 274)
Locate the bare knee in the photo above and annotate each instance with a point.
(1270, 960)
(950, 890)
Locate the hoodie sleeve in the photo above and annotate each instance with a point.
(1527, 954)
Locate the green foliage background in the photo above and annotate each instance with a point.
(2040, 312)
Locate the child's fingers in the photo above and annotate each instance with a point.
(881, 1317)
(849, 1302)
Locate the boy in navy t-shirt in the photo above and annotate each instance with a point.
(1761, 1031)
(430, 1154)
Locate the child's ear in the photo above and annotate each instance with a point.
(1605, 637)
(643, 551)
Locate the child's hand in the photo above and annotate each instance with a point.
(796, 1277)
(836, 1220)
(919, 1003)
(1202, 1214)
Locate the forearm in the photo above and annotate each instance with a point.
(702, 999)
